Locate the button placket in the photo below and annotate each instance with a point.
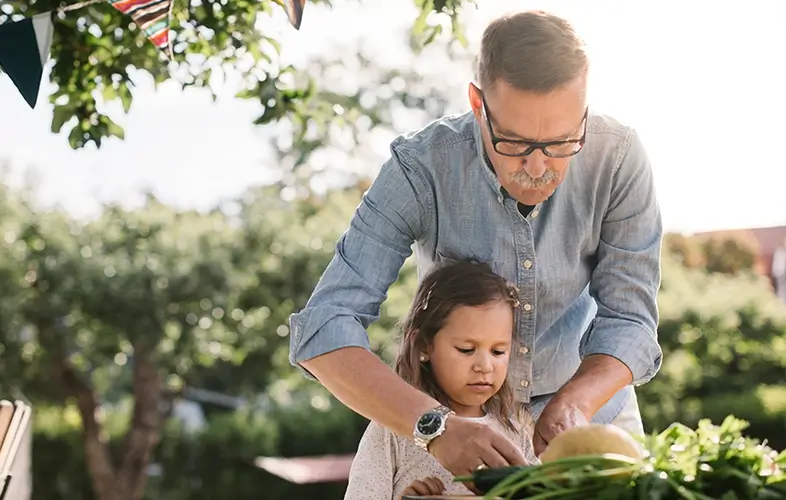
(527, 283)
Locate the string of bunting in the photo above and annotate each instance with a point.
(25, 44)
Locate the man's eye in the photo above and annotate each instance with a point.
(465, 351)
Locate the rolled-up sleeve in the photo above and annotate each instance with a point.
(393, 213)
(626, 279)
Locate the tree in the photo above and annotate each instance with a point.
(732, 254)
(724, 352)
(95, 48)
(131, 303)
(136, 305)
(717, 253)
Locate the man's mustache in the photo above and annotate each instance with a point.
(523, 179)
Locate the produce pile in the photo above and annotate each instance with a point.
(712, 462)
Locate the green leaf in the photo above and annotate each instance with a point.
(61, 114)
(126, 97)
(75, 138)
(435, 31)
(426, 6)
(115, 130)
(109, 92)
(458, 31)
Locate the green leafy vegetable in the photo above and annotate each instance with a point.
(712, 462)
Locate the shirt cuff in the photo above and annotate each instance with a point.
(627, 341)
(320, 330)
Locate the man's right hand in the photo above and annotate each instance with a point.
(465, 445)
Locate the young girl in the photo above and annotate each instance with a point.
(456, 347)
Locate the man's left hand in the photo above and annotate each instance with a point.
(558, 416)
(598, 378)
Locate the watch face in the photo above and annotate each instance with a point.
(429, 423)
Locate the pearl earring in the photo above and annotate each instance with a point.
(423, 358)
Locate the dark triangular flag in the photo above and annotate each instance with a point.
(24, 49)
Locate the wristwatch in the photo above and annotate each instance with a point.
(431, 425)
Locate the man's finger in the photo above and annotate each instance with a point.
(492, 459)
(471, 487)
(538, 444)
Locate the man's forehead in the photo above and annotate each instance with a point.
(535, 117)
(538, 125)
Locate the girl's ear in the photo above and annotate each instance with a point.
(423, 350)
(429, 350)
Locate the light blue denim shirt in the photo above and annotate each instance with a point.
(586, 261)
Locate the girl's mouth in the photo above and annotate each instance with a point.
(481, 386)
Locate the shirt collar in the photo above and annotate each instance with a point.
(488, 169)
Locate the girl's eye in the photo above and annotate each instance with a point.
(498, 352)
(465, 351)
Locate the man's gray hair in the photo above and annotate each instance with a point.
(533, 51)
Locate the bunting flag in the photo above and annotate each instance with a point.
(25, 44)
(152, 17)
(294, 10)
(24, 50)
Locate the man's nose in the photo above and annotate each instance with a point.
(535, 164)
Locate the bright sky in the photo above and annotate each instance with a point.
(703, 82)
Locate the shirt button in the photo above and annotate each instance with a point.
(527, 264)
(534, 214)
(523, 349)
(527, 307)
(524, 383)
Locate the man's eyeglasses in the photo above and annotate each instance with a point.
(553, 149)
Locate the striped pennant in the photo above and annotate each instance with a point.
(152, 17)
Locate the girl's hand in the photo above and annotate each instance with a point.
(424, 487)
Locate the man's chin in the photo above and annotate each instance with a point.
(533, 197)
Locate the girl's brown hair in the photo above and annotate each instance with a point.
(462, 283)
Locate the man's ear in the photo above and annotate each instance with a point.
(475, 101)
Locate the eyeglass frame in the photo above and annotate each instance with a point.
(532, 146)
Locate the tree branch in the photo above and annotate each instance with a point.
(97, 454)
(145, 430)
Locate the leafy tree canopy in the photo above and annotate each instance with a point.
(96, 48)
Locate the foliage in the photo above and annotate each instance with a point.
(190, 299)
(718, 253)
(688, 250)
(96, 51)
(724, 352)
(730, 255)
(213, 463)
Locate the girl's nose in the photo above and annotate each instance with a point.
(483, 364)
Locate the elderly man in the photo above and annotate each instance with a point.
(559, 199)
